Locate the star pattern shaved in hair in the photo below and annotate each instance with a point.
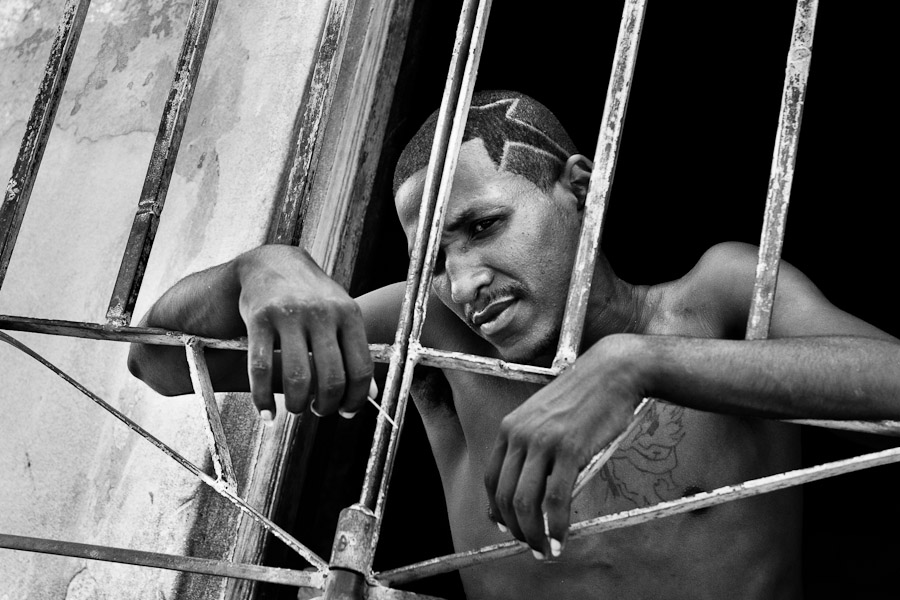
(498, 120)
(520, 135)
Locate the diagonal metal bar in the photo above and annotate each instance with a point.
(219, 487)
(37, 131)
(190, 564)
(607, 153)
(162, 162)
(754, 487)
(782, 173)
(218, 445)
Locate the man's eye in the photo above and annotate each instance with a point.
(482, 225)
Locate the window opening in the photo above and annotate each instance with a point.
(359, 526)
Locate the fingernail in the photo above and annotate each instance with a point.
(347, 414)
(555, 547)
(267, 415)
(537, 555)
(373, 389)
(502, 528)
(312, 408)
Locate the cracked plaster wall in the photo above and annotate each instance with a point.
(68, 470)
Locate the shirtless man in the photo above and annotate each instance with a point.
(508, 452)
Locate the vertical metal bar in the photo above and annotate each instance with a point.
(605, 157)
(782, 173)
(316, 109)
(436, 229)
(218, 445)
(40, 123)
(439, 152)
(162, 162)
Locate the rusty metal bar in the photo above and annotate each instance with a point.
(37, 131)
(432, 357)
(754, 487)
(162, 162)
(218, 445)
(316, 108)
(219, 487)
(429, 199)
(190, 564)
(467, 86)
(601, 181)
(380, 353)
(782, 173)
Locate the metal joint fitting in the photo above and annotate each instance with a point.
(352, 548)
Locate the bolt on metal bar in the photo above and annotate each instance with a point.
(316, 109)
(190, 564)
(218, 486)
(607, 152)
(754, 487)
(37, 131)
(467, 86)
(162, 162)
(782, 172)
(218, 445)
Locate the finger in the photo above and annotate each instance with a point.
(330, 378)
(492, 480)
(260, 339)
(528, 500)
(558, 502)
(358, 367)
(506, 490)
(296, 375)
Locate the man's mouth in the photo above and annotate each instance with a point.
(493, 317)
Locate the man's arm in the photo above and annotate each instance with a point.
(824, 363)
(279, 298)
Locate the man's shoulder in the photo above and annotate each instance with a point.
(381, 310)
(717, 289)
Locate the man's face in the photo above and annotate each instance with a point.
(506, 253)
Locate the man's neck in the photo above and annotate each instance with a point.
(615, 306)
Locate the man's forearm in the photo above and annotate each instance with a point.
(839, 377)
(204, 303)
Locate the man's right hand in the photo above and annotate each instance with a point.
(280, 298)
(287, 300)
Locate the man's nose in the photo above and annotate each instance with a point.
(467, 277)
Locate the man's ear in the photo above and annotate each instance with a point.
(576, 176)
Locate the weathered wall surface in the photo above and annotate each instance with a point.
(68, 470)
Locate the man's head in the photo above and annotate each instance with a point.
(512, 221)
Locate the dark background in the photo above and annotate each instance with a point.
(692, 171)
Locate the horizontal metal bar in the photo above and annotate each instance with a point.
(37, 131)
(190, 564)
(782, 172)
(218, 486)
(380, 353)
(162, 163)
(612, 122)
(433, 357)
(754, 487)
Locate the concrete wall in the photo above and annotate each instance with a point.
(68, 470)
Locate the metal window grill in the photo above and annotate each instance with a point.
(350, 567)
